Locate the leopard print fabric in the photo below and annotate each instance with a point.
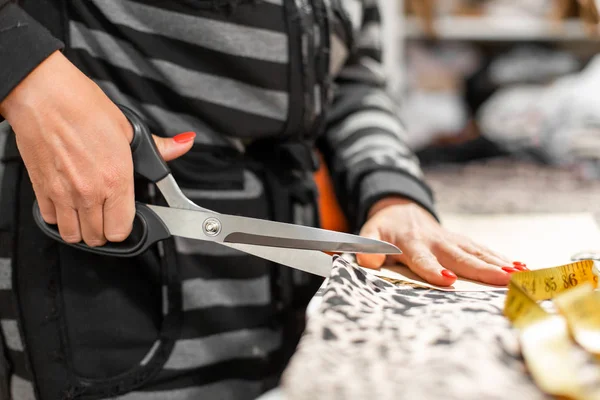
(371, 339)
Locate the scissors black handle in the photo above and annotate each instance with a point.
(147, 160)
(151, 230)
(148, 163)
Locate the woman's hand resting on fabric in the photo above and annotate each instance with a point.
(429, 250)
(75, 145)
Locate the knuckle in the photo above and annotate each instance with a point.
(57, 190)
(117, 236)
(421, 258)
(460, 258)
(116, 178)
(113, 180)
(71, 237)
(95, 242)
(49, 219)
(88, 193)
(480, 253)
(439, 246)
(119, 233)
(85, 190)
(87, 202)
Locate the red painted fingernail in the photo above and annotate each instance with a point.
(448, 274)
(519, 263)
(184, 137)
(521, 268)
(510, 270)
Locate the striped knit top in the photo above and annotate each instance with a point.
(234, 71)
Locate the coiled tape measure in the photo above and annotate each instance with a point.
(557, 313)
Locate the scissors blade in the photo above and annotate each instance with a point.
(203, 225)
(311, 261)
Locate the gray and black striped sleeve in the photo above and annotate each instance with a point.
(364, 144)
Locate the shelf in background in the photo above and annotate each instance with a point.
(496, 28)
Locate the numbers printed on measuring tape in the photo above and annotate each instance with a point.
(549, 338)
(544, 284)
(550, 284)
(570, 280)
(529, 287)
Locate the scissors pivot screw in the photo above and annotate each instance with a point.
(212, 226)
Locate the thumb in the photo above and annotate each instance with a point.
(373, 261)
(172, 148)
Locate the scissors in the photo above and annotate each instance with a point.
(295, 246)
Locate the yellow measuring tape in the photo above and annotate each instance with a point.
(560, 339)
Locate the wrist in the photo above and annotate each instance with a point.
(387, 202)
(29, 93)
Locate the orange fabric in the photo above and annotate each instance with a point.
(331, 214)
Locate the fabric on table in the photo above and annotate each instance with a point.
(374, 340)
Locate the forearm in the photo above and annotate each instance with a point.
(365, 142)
(367, 153)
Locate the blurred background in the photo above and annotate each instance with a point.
(501, 99)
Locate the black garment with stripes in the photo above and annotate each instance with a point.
(281, 69)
